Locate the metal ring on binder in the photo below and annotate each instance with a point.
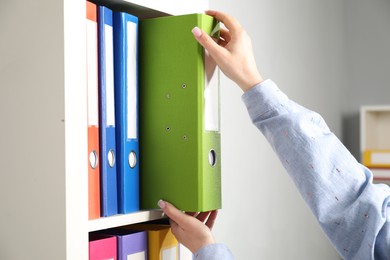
(212, 157)
(93, 159)
(111, 158)
(132, 159)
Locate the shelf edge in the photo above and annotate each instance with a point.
(123, 219)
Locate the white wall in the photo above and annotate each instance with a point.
(300, 45)
(368, 62)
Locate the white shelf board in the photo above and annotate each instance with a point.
(174, 7)
(124, 219)
(152, 8)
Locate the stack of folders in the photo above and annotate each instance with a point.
(178, 113)
(378, 160)
(129, 245)
(375, 141)
(112, 86)
(137, 242)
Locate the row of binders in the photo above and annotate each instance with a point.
(137, 242)
(113, 143)
(153, 113)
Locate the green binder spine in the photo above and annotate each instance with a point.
(180, 150)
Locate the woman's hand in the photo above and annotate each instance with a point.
(234, 54)
(193, 230)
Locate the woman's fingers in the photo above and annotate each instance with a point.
(231, 23)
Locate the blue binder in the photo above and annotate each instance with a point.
(107, 113)
(126, 109)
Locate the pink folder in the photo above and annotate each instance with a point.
(102, 247)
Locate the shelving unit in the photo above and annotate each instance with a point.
(375, 140)
(43, 135)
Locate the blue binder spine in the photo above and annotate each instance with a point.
(109, 199)
(126, 100)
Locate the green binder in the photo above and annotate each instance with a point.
(180, 154)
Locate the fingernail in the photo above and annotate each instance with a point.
(161, 204)
(196, 32)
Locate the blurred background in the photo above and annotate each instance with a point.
(330, 56)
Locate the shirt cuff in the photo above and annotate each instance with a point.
(213, 251)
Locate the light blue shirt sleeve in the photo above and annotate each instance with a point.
(213, 252)
(352, 211)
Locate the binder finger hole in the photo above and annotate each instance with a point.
(93, 159)
(212, 157)
(111, 158)
(132, 159)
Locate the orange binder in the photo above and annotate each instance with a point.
(93, 114)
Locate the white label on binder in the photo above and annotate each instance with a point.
(137, 256)
(110, 103)
(169, 253)
(92, 73)
(131, 80)
(380, 158)
(211, 94)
